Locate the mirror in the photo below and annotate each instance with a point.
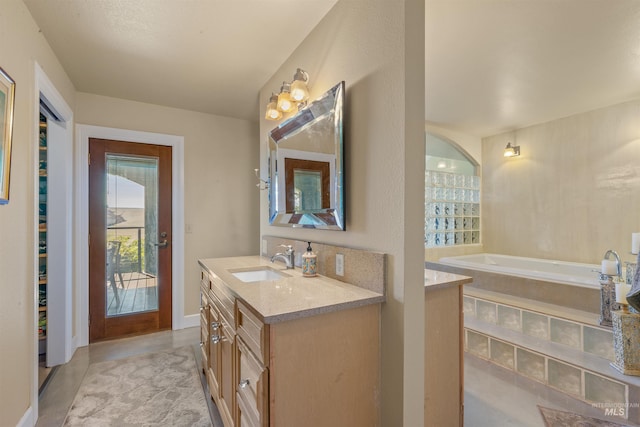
(306, 167)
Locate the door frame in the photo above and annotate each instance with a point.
(63, 343)
(83, 133)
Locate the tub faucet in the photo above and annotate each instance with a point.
(618, 263)
(288, 256)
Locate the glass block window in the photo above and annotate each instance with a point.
(452, 196)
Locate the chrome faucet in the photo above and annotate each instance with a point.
(618, 263)
(288, 256)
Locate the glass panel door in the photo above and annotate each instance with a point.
(131, 263)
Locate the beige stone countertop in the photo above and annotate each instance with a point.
(434, 279)
(292, 296)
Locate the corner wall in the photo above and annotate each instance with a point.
(221, 199)
(573, 192)
(21, 45)
(377, 48)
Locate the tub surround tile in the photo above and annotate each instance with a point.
(509, 317)
(598, 342)
(566, 333)
(531, 365)
(564, 377)
(502, 353)
(598, 389)
(478, 344)
(547, 309)
(535, 325)
(486, 311)
(469, 306)
(574, 297)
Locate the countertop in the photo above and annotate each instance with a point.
(434, 279)
(291, 297)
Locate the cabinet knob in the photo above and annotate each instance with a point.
(215, 325)
(201, 344)
(217, 338)
(201, 309)
(244, 383)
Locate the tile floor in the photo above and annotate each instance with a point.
(58, 395)
(493, 396)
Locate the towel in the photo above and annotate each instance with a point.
(633, 297)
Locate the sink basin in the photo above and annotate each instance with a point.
(258, 275)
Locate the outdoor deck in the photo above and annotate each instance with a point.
(136, 293)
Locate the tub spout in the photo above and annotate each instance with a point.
(616, 257)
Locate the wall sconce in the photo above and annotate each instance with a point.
(511, 151)
(291, 97)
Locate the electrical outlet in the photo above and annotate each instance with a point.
(264, 246)
(340, 264)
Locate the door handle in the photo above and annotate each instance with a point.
(162, 244)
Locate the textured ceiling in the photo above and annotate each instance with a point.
(211, 56)
(491, 65)
(498, 65)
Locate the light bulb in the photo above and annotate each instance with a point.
(272, 109)
(284, 99)
(299, 89)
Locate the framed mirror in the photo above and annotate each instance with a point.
(306, 166)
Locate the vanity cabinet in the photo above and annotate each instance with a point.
(318, 369)
(221, 359)
(444, 349)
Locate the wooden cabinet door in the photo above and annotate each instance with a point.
(214, 352)
(253, 386)
(226, 402)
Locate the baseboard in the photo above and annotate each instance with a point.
(190, 321)
(27, 419)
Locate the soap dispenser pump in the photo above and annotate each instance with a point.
(309, 262)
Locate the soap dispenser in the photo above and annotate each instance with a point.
(309, 262)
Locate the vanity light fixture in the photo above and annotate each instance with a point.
(272, 109)
(511, 151)
(299, 89)
(285, 104)
(292, 96)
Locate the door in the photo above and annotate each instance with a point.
(129, 238)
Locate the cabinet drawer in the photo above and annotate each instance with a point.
(253, 332)
(223, 300)
(252, 385)
(245, 415)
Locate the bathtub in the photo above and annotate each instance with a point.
(568, 284)
(570, 273)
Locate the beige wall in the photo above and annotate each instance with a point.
(20, 45)
(220, 153)
(377, 49)
(573, 192)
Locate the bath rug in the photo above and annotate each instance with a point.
(556, 418)
(157, 389)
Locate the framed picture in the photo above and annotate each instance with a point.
(7, 94)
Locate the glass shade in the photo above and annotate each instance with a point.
(299, 91)
(285, 104)
(272, 111)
